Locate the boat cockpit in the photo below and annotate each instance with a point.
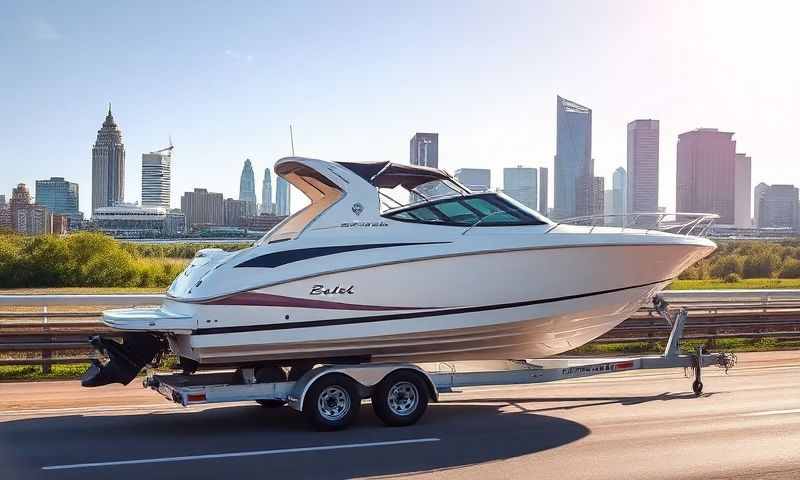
(404, 193)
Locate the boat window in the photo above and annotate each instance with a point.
(485, 209)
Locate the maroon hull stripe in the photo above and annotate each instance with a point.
(269, 300)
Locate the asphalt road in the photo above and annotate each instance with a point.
(637, 425)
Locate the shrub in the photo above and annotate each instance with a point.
(726, 265)
(791, 268)
(699, 271)
(732, 278)
(83, 259)
(761, 265)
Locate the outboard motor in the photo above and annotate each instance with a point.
(125, 360)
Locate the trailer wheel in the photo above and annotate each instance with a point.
(697, 387)
(269, 374)
(401, 398)
(332, 402)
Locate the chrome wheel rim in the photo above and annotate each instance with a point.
(333, 403)
(403, 398)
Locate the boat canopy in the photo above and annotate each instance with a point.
(391, 175)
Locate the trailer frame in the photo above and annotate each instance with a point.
(366, 380)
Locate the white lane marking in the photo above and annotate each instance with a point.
(242, 454)
(770, 412)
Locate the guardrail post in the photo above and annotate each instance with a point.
(46, 354)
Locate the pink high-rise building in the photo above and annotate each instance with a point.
(643, 166)
(706, 173)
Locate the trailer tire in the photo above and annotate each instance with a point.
(332, 402)
(401, 398)
(269, 374)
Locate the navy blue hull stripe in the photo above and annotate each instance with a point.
(401, 316)
(276, 259)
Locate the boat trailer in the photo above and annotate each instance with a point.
(330, 395)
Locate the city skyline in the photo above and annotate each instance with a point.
(224, 100)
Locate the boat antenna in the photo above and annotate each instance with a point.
(291, 138)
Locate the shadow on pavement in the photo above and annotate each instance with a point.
(585, 401)
(469, 434)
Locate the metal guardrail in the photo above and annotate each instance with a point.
(714, 314)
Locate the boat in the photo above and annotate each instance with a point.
(392, 262)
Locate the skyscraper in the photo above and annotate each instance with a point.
(247, 187)
(235, 212)
(266, 193)
(108, 165)
(619, 185)
(741, 191)
(5, 214)
(705, 173)
(778, 207)
(425, 150)
(758, 195)
(573, 160)
(543, 190)
(282, 197)
(643, 139)
(60, 197)
(157, 178)
(589, 196)
(202, 207)
(476, 179)
(520, 183)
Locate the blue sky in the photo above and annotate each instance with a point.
(356, 79)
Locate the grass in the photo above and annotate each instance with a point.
(735, 345)
(34, 372)
(80, 290)
(747, 283)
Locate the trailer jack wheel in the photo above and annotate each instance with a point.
(697, 387)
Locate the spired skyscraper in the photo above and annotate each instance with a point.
(574, 169)
(247, 187)
(157, 178)
(282, 197)
(108, 165)
(266, 193)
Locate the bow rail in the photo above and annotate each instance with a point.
(679, 223)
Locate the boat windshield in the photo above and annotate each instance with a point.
(399, 196)
(480, 209)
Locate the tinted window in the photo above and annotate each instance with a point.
(455, 211)
(488, 209)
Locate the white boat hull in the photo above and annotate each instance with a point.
(469, 307)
